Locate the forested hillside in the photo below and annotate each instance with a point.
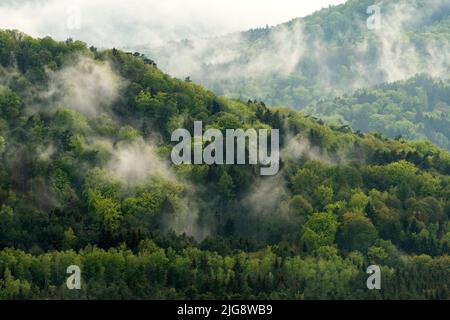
(86, 179)
(418, 108)
(327, 53)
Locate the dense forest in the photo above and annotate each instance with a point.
(418, 108)
(86, 179)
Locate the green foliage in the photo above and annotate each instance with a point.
(319, 230)
(198, 231)
(9, 104)
(417, 108)
(157, 273)
(300, 206)
(357, 232)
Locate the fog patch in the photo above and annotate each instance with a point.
(44, 153)
(299, 147)
(134, 162)
(266, 194)
(85, 85)
(186, 219)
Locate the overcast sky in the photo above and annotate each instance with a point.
(122, 23)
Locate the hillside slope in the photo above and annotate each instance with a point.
(418, 108)
(85, 179)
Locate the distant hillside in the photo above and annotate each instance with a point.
(325, 54)
(418, 108)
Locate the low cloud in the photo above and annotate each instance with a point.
(266, 195)
(86, 85)
(136, 161)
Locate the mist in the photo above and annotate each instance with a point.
(238, 67)
(85, 85)
(135, 162)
